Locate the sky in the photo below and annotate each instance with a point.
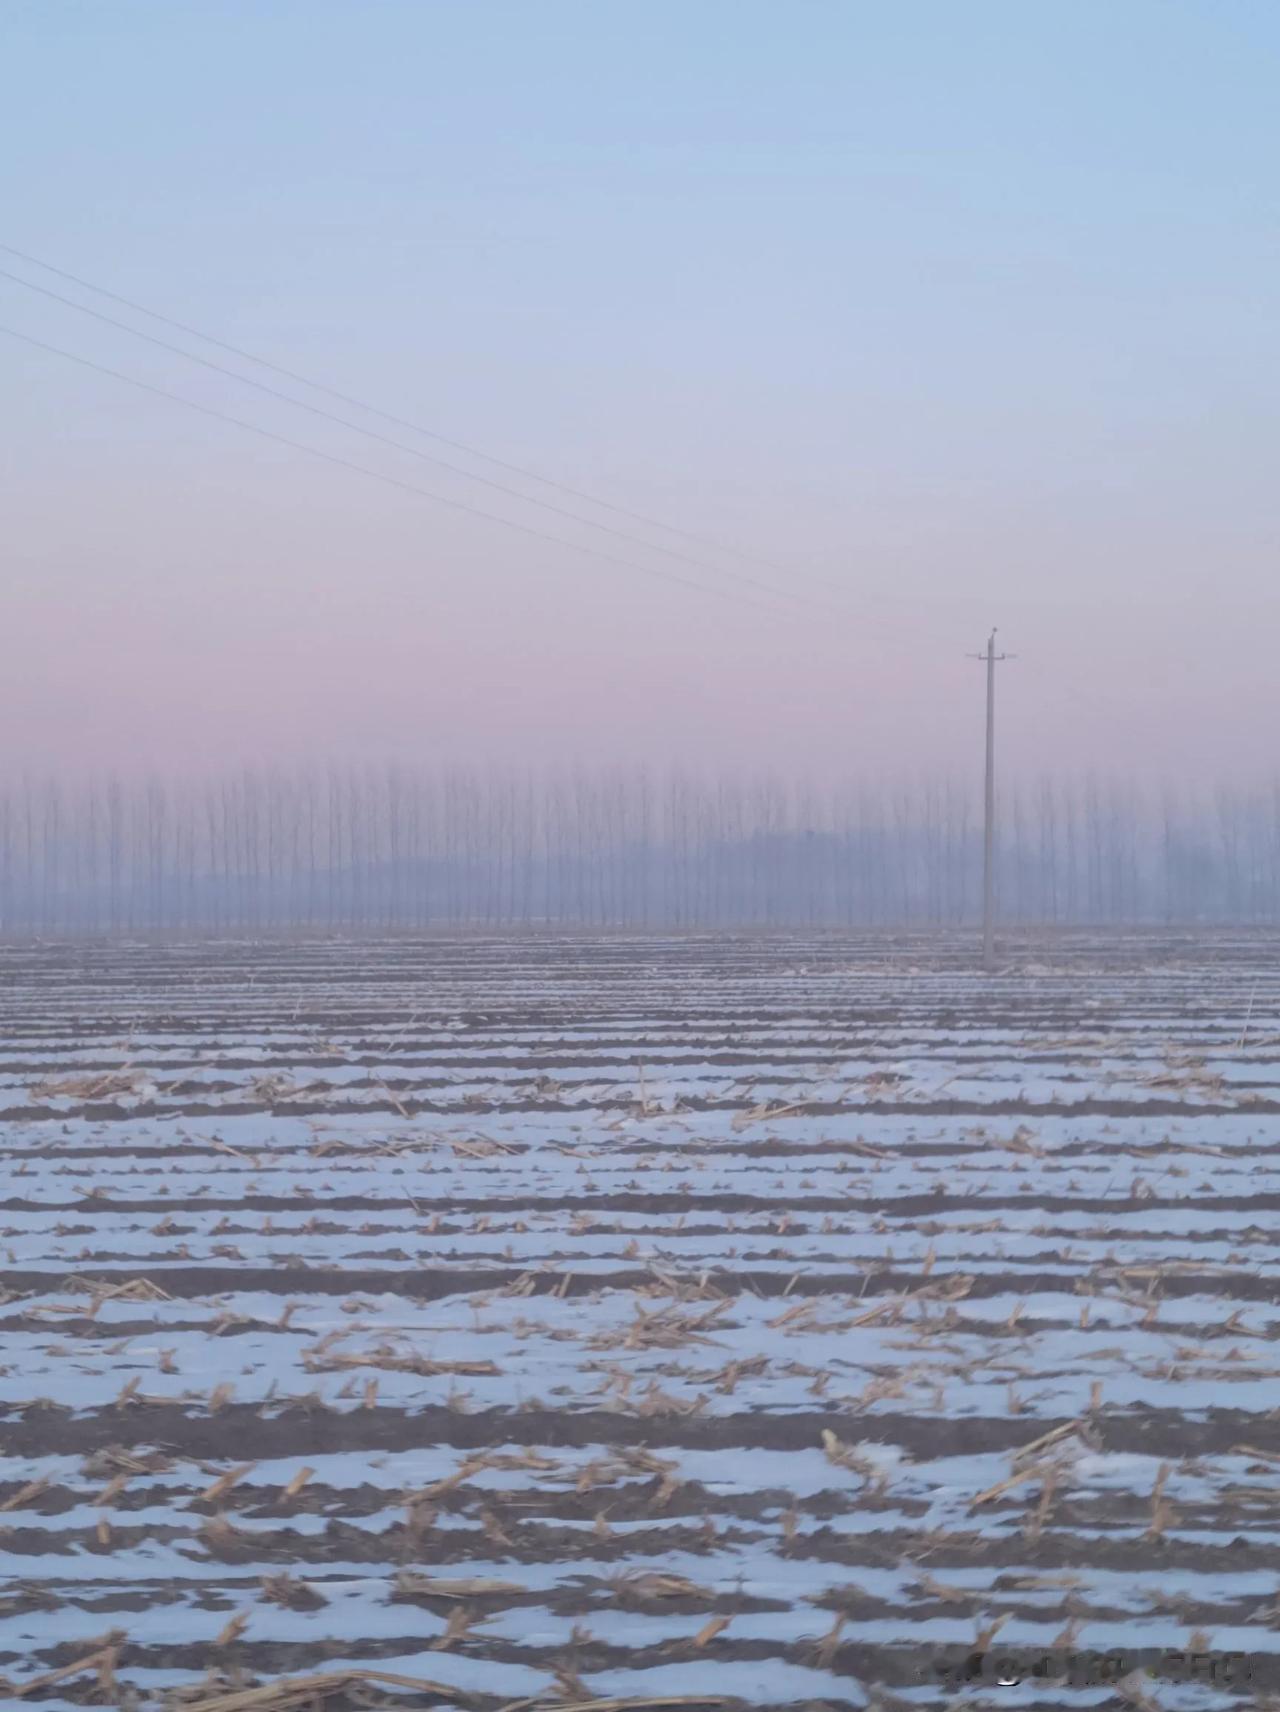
(916, 318)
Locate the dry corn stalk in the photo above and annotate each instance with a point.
(294, 1594)
(25, 1494)
(1037, 1471)
(286, 1692)
(299, 1480)
(458, 1625)
(223, 1484)
(409, 1584)
(951, 1290)
(983, 1638)
(1067, 1430)
(829, 1645)
(649, 1584)
(102, 1660)
(1161, 1509)
(1036, 1524)
(388, 1360)
(853, 1457)
(766, 1114)
(99, 1086)
(232, 1632)
(941, 1590)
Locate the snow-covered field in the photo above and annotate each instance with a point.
(617, 1320)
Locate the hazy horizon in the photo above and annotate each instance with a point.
(952, 317)
(403, 847)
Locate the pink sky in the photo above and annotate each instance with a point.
(955, 323)
(362, 645)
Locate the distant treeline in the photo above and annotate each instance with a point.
(399, 848)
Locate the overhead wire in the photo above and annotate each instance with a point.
(374, 474)
(401, 445)
(417, 428)
(388, 416)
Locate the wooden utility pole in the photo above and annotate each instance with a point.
(989, 828)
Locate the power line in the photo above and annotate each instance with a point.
(445, 440)
(423, 492)
(400, 445)
(866, 632)
(374, 475)
(386, 415)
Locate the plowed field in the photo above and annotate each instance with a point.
(606, 1321)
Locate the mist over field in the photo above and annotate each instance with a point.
(407, 848)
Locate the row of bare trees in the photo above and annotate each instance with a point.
(397, 848)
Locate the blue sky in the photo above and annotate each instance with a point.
(965, 310)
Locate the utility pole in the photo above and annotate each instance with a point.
(989, 829)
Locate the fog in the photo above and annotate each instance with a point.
(395, 848)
